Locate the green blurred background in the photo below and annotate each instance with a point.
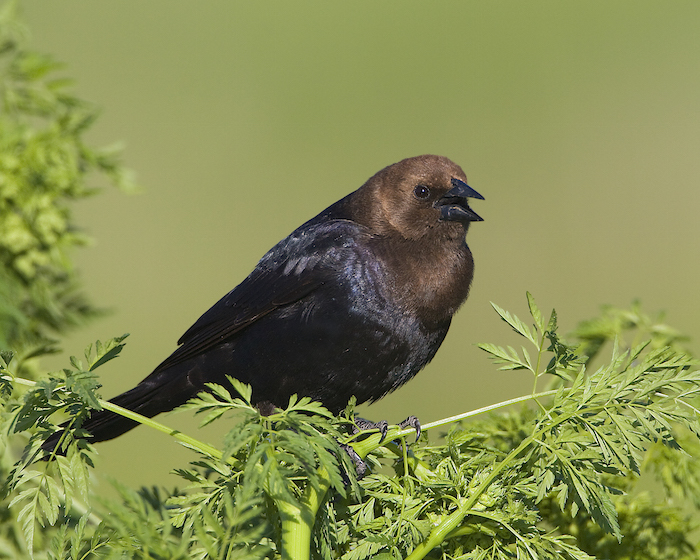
(578, 121)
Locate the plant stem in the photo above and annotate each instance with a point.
(441, 532)
(496, 406)
(188, 441)
(298, 522)
(421, 469)
(452, 521)
(296, 531)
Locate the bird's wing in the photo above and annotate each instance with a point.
(291, 270)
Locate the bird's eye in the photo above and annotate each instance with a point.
(421, 191)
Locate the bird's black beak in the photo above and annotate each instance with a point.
(453, 204)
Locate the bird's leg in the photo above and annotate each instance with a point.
(266, 408)
(360, 466)
(362, 424)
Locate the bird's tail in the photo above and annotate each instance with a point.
(148, 398)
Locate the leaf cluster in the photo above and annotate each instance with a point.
(554, 480)
(42, 496)
(272, 471)
(44, 165)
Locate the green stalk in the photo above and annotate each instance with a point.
(481, 410)
(188, 441)
(296, 531)
(441, 532)
(372, 442)
(298, 522)
(452, 521)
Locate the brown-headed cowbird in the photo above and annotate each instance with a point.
(355, 302)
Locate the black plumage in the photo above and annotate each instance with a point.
(355, 302)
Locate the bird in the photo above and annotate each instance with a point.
(354, 302)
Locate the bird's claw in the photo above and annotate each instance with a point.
(383, 426)
(412, 422)
(364, 424)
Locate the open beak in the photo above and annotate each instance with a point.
(453, 204)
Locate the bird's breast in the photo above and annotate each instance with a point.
(430, 284)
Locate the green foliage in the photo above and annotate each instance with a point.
(566, 478)
(42, 495)
(44, 165)
(638, 326)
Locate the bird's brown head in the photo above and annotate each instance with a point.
(418, 197)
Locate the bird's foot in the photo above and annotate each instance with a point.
(383, 426)
(412, 422)
(362, 424)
